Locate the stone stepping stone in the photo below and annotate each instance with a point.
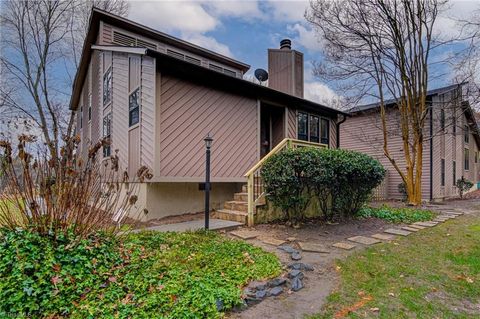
(314, 248)
(412, 229)
(245, 234)
(272, 241)
(395, 231)
(344, 245)
(417, 226)
(425, 224)
(383, 236)
(453, 213)
(364, 240)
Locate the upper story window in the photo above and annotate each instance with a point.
(313, 128)
(454, 172)
(89, 107)
(466, 133)
(442, 177)
(442, 119)
(134, 90)
(466, 159)
(454, 123)
(107, 127)
(107, 87)
(81, 116)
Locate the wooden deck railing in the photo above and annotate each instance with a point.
(254, 184)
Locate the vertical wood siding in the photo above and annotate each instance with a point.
(148, 112)
(120, 107)
(281, 70)
(133, 151)
(188, 112)
(96, 98)
(106, 34)
(333, 134)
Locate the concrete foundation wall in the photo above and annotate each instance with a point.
(167, 199)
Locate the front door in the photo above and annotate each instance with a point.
(272, 127)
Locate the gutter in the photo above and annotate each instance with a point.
(338, 130)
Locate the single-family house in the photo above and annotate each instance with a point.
(157, 97)
(450, 149)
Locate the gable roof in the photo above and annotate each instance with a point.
(184, 68)
(465, 105)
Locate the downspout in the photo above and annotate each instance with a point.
(431, 152)
(338, 130)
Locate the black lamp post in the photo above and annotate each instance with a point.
(208, 143)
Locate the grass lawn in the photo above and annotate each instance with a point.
(434, 273)
(147, 275)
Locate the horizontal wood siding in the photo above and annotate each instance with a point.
(363, 133)
(148, 112)
(120, 107)
(188, 113)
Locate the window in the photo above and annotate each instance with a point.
(89, 107)
(134, 90)
(442, 119)
(454, 172)
(107, 87)
(302, 126)
(81, 116)
(467, 134)
(443, 172)
(134, 108)
(467, 159)
(325, 131)
(314, 128)
(476, 157)
(107, 126)
(454, 123)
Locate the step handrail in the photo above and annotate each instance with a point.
(253, 196)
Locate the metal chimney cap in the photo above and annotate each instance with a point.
(286, 44)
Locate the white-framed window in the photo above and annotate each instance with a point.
(107, 86)
(466, 155)
(81, 116)
(107, 129)
(134, 90)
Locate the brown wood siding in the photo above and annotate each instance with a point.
(292, 123)
(363, 133)
(333, 134)
(133, 151)
(188, 112)
(298, 76)
(280, 70)
(278, 127)
(106, 34)
(96, 98)
(120, 107)
(148, 112)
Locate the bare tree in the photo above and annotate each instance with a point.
(36, 62)
(382, 49)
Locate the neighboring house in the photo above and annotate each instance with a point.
(451, 146)
(157, 97)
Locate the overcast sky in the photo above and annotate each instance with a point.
(244, 30)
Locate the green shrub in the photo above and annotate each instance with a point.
(463, 185)
(340, 180)
(397, 215)
(146, 275)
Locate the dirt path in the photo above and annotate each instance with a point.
(323, 280)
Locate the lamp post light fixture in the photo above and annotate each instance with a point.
(208, 144)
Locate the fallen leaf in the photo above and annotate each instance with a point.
(375, 309)
(391, 294)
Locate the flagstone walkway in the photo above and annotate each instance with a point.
(319, 246)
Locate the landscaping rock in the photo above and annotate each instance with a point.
(248, 293)
(383, 236)
(300, 266)
(416, 226)
(240, 308)
(245, 234)
(425, 224)
(275, 291)
(296, 255)
(272, 241)
(412, 229)
(260, 294)
(287, 249)
(297, 284)
(276, 282)
(257, 285)
(295, 273)
(219, 304)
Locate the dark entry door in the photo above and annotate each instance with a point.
(272, 127)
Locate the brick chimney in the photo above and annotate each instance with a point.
(285, 69)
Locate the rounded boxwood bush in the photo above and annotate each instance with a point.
(341, 180)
